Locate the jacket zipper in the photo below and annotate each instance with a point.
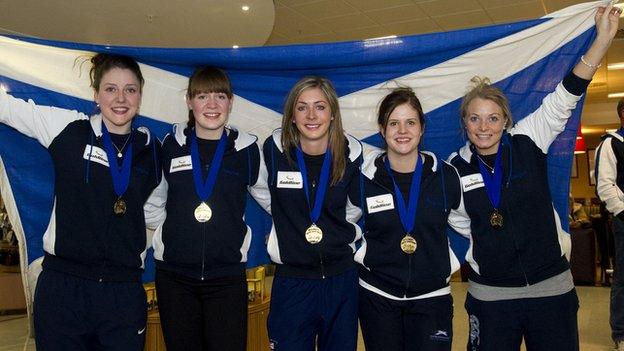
(203, 251)
(409, 274)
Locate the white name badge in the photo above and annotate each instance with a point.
(95, 154)
(289, 180)
(181, 164)
(472, 181)
(379, 203)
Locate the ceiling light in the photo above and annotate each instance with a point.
(615, 95)
(234, 46)
(245, 8)
(614, 66)
(382, 38)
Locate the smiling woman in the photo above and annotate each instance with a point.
(94, 252)
(520, 281)
(313, 170)
(406, 261)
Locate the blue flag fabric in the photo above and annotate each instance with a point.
(526, 59)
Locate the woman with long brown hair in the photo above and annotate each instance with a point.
(313, 176)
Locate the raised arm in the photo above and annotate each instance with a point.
(43, 123)
(545, 123)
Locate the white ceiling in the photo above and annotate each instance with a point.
(214, 23)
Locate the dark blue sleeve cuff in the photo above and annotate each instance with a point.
(575, 84)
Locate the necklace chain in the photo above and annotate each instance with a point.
(485, 163)
(119, 153)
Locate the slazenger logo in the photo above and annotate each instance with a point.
(440, 335)
(180, 164)
(95, 154)
(472, 181)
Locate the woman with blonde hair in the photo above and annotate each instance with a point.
(313, 175)
(520, 285)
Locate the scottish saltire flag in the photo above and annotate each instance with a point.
(526, 59)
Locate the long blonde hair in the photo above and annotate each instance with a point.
(290, 133)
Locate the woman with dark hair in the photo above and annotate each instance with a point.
(313, 175)
(406, 262)
(89, 295)
(201, 248)
(520, 285)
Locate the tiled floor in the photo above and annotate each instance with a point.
(593, 320)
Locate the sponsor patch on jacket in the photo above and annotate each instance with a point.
(95, 154)
(472, 181)
(181, 164)
(289, 180)
(379, 203)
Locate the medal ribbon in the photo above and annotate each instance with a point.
(493, 181)
(407, 216)
(120, 175)
(315, 212)
(204, 188)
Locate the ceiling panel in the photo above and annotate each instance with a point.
(425, 25)
(291, 24)
(367, 5)
(396, 14)
(347, 22)
(516, 12)
(324, 9)
(447, 7)
(463, 20)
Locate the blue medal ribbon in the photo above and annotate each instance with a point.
(120, 175)
(407, 215)
(493, 181)
(204, 188)
(315, 212)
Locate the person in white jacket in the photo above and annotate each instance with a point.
(610, 189)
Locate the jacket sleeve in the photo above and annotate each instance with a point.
(260, 189)
(354, 203)
(544, 124)
(155, 207)
(458, 218)
(43, 123)
(606, 174)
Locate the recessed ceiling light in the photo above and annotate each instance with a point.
(245, 8)
(616, 95)
(614, 66)
(234, 46)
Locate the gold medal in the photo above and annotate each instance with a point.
(314, 234)
(119, 207)
(408, 244)
(496, 220)
(203, 213)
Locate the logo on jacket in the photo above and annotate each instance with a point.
(440, 335)
(379, 203)
(95, 154)
(289, 180)
(472, 181)
(181, 164)
(474, 331)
